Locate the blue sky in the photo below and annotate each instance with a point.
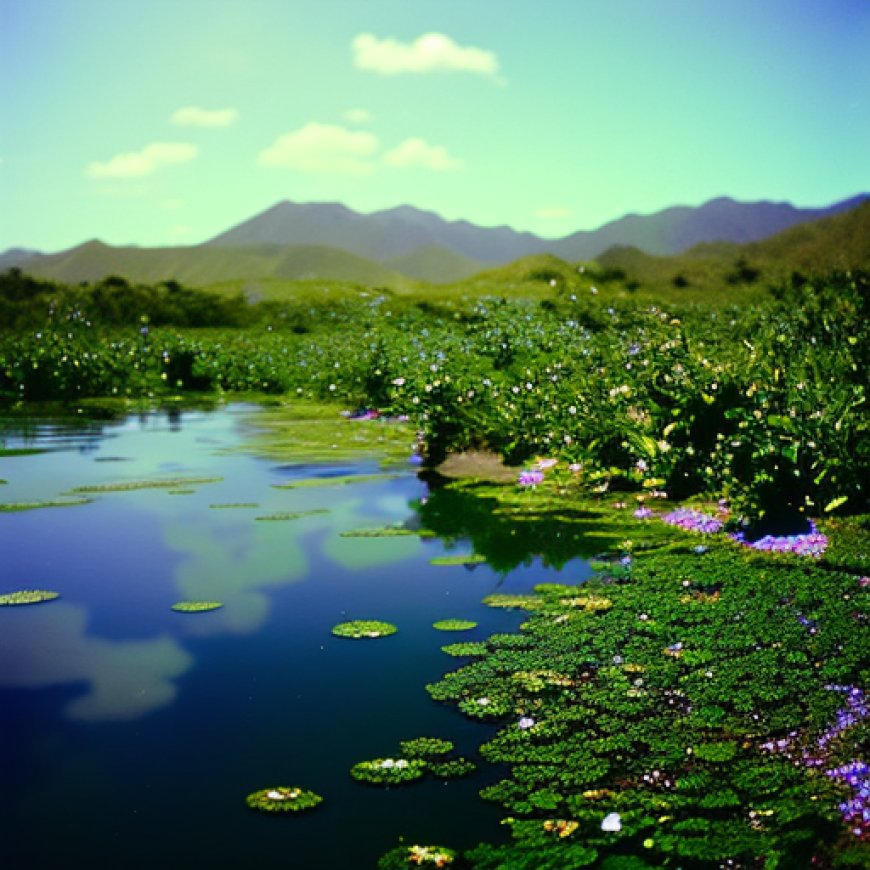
(167, 122)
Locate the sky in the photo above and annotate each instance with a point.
(166, 122)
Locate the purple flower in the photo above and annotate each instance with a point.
(530, 477)
(643, 513)
(692, 521)
(526, 722)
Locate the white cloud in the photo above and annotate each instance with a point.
(322, 148)
(194, 116)
(358, 116)
(431, 52)
(418, 153)
(135, 164)
(553, 211)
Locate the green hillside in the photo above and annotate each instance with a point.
(436, 264)
(202, 266)
(838, 242)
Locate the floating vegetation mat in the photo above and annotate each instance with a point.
(465, 648)
(291, 515)
(343, 480)
(454, 625)
(471, 559)
(358, 629)
(229, 505)
(180, 491)
(389, 771)
(417, 856)
(283, 799)
(512, 602)
(3, 481)
(130, 485)
(425, 747)
(386, 532)
(420, 756)
(15, 506)
(21, 451)
(703, 712)
(28, 596)
(196, 606)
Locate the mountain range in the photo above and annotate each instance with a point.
(292, 241)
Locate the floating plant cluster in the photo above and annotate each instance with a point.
(359, 629)
(403, 857)
(468, 559)
(27, 596)
(196, 606)
(636, 729)
(283, 799)
(812, 543)
(454, 625)
(692, 521)
(418, 757)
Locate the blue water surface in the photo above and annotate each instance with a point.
(131, 734)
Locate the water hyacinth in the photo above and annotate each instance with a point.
(692, 521)
(530, 477)
(812, 543)
(643, 513)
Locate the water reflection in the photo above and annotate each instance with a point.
(538, 529)
(125, 679)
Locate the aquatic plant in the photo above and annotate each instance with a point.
(28, 596)
(240, 504)
(692, 521)
(389, 771)
(196, 606)
(454, 625)
(386, 532)
(157, 483)
(464, 648)
(667, 726)
(469, 559)
(358, 629)
(283, 799)
(291, 515)
(425, 747)
(403, 857)
(453, 768)
(14, 507)
(342, 480)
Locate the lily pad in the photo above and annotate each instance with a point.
(358, 629)
(389, 771)
(28, 596)
(454, 625)
(309, 482)
(196, 606)
(453, 768)
(387, 532)
(469, 559)
(425, 747)
(160, 483)
(13, 507)
(239, 504)
(291, 515)
(283, 799)
(417, 856)
(466, 648)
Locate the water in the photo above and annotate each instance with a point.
(131, 734)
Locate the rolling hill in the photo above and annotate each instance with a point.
(401, 246)
(201, 266)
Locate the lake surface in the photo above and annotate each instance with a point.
(131, 733)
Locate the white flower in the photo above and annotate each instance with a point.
(612, 823)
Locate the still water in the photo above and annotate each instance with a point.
(131, 734)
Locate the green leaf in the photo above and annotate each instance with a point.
(834, 503)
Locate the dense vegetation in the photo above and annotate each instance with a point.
(696, 705)
(762, 404)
